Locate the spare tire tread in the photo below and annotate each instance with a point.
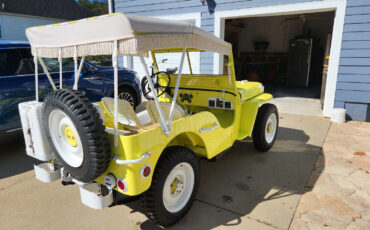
(90, 128)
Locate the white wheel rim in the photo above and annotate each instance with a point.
(59, 122)
(175, 200)
(270, 129)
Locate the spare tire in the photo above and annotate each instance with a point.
(77, 134)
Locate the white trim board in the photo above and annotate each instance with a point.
(299, 8)
(180, 17)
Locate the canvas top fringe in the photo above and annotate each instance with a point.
(134, 46)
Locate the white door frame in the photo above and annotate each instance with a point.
(127, 60)
(308, 7)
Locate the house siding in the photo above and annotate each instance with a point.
(353, 84)
(168, 7)
(13, 26)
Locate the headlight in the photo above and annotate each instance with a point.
(262, 87)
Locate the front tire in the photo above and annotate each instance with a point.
(266, 127)
(174, 186)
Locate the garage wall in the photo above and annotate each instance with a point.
(353, 86)
(170, 7)
(278, 30)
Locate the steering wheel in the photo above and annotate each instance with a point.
(163, 88)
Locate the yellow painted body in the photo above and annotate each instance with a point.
(234, 124)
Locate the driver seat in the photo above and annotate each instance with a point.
(171, 70)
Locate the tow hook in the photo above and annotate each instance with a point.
(67, 179)
(65, 183)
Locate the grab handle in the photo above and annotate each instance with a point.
(126, 162)
(202, 130)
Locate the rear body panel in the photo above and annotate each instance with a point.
(185, 132)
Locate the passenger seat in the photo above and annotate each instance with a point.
(134, 121)
(166, 108)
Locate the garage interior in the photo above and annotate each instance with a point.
(289, 54)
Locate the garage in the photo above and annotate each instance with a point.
(287, 53)
(289, 48)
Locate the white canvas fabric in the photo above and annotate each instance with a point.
(135, 34)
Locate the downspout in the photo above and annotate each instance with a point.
(110, 6)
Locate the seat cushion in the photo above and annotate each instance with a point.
(166, 108)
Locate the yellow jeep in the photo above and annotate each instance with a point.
(107, 147)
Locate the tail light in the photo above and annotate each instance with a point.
(122, 185)
(145, 171)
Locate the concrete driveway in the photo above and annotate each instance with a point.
(243, 189)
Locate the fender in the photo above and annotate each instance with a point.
(249, 113)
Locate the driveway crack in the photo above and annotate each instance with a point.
(237, 213)
(24, 179)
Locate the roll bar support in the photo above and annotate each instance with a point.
(166, 126)
(36, 76)
(162, 120)
(115, 68)
(176, 88)
(60, 68)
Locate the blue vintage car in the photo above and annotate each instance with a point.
(17, 81)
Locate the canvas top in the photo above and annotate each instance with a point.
(134, 35)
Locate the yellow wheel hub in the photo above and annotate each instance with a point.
(173, 185)
(70, 136)
(270, 127)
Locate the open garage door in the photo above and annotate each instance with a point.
(287, 53)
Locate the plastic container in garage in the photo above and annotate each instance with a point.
(339, 115)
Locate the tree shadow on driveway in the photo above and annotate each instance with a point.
(243, 189)
(248, 189)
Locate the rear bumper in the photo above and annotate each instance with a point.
(93, 195)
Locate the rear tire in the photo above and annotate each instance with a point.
(266, 127)
(174, 186)
(76, 134)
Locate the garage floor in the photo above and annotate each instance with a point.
(243, 189)
(299, 106)
(295, 100)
